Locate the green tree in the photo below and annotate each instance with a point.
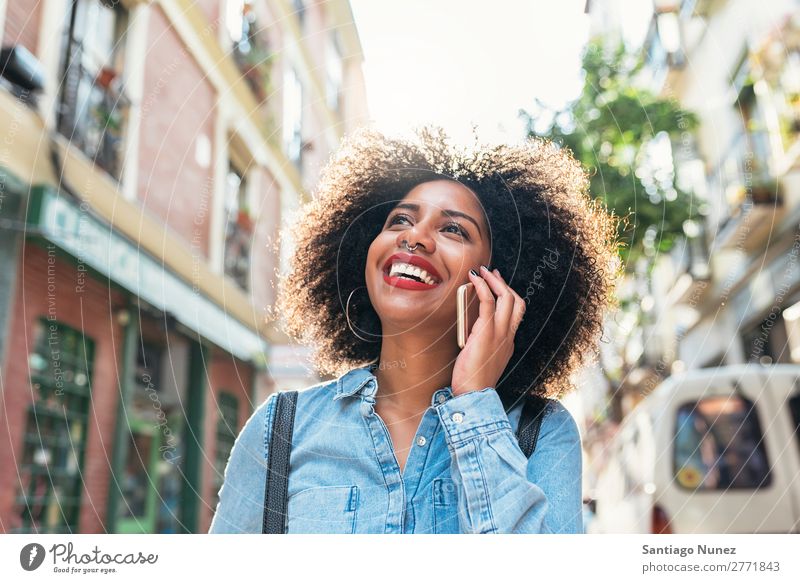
(618, 131)
(623, 134)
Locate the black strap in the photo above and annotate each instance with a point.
(530, 421)
(280, 446)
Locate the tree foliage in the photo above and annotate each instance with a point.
(623, 134)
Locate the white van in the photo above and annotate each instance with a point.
(708, 451)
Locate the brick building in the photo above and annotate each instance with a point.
(152, 153)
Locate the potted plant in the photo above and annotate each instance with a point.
(244, 220)
(105, 77)
(256, 65)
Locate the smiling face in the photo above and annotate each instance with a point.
(445, 220)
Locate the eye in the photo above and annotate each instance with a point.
(459, 229)
(394, 219)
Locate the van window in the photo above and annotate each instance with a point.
(718, 445)
(794, 409)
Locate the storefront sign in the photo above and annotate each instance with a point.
(94, 243)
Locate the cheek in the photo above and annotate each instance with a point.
(373, 253)
(377, 250)
(460, 260)
(380, 245)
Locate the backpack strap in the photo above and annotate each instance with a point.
(280, 446)
(530, 421)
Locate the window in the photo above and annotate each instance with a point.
(754, 148)
(766, 342)
(227, 430)
(92, 107)
(250, 47)
(293, 117)
(778, 56)
(55, 432)
(239, 227)
(299, 7)
(786, 90)
(333, 72)
(148, 365)
(794, 411)
(718, 445)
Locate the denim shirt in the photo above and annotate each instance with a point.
(465, 472)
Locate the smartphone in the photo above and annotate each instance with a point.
(468, 309)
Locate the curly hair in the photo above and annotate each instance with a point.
(555, 245)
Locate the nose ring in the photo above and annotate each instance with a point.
(405, 242)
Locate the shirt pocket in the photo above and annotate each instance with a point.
(323, 510)
(445, 507)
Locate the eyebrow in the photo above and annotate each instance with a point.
(446, 212)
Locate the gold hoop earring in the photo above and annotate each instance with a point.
(347, 315)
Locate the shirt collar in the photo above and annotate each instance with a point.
(361, 380)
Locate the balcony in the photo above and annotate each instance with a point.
(92, 112)
(694, 279)
(689, 289)
(251, 53)
(238, 237)
(255, 67)
(750, 225)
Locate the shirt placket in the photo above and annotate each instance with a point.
(416, 462)
(386, 458)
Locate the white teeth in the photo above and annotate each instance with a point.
(409, 269)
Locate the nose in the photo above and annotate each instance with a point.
(419, 235)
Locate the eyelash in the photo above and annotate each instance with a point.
(462, 232)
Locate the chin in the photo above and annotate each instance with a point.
(406, 313)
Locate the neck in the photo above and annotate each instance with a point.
(411, 368)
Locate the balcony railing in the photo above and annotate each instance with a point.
(239, 234)
(752, 222)
(92, 112)
(252, 55)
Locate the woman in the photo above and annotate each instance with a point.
(415, 435)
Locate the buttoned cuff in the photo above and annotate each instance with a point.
(472, 414)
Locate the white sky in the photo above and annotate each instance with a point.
(455, 62)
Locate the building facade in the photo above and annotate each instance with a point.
(729, 294)
(153, 153)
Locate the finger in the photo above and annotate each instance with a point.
(504, 313)
(511, 289)
(504, 304)
(518, 310)
(486, 297)
(519, 314)
(498, 286)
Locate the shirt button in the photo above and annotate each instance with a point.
(421, 440)
(457, 417)
(441, 398)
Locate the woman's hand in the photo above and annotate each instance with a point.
(490, 343)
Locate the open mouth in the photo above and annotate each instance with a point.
(410, 271)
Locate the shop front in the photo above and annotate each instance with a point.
(124, 385)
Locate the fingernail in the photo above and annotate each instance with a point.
(473, 272)
(484, 267)
(496, 272)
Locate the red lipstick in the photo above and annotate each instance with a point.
(404, 282)
(413, 260)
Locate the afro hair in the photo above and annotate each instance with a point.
(556, 243)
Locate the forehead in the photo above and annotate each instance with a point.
(445, 194)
